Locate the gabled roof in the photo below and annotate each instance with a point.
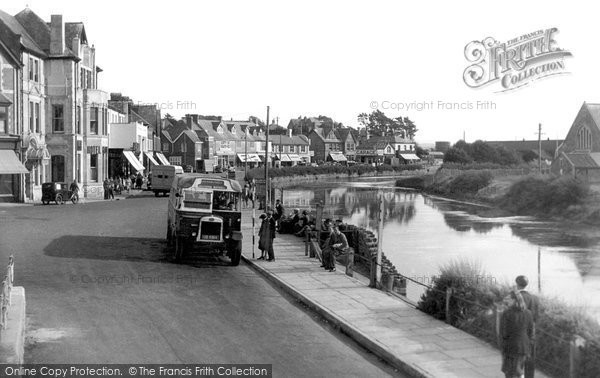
(286, 140)
(28, 42)
(322, 134)
(584, 160)
(373, 143)
(10, 45)
(342, 134)
(74, 29)
(594, 110)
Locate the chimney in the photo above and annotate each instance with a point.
(57, 35)
(76, 45)
(188, 121)
(195, 118)
(125, 108)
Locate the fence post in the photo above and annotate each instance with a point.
(306, 243)
(350, 262)
(497, 314)
(574, 355)
(4, 304)
(448, 296)
(372, 270)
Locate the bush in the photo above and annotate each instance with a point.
(469, 182)
(457, 155)
(411, 182)
(471, 309)
(544, 196)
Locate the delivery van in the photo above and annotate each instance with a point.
(162, 178)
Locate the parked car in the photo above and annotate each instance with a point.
(204, 216)
(57, 192)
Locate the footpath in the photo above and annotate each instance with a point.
(392, 329)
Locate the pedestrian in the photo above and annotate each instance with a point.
(111, 189)
(74, 188)
(279, 213)
(532, 303)
(128, 183)
(252, 192)
(516, 333)
(138, 181)
(105, 187)
(263, 236)
(270, 234)
(246, 194)
(335, 245)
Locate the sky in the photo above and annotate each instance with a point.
(340, 59)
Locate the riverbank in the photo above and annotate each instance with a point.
(547, 197)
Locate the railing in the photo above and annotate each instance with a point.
(5, 291)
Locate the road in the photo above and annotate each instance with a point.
(101, 288)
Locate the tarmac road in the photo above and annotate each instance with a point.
(101, 288)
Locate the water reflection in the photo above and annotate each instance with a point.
(421, 233)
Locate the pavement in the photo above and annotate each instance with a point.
(394, 330)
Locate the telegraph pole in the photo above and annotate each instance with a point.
(540, 147)
(267, 162)
(246, 153)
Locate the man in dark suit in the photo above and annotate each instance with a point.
(271, 234)
(532, 303)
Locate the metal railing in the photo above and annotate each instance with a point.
(5, 291)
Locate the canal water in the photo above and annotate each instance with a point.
(422, 233)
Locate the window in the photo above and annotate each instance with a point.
(292, 149)
(30, 68)
(82, 80)
(78, 120)
(36, 71)
(58, 121)
(303, 149)
(3, 119)
(94, 120)
(183, 147)
(165, 147)
(31, 116)
(58, 168)
(175, 160)
(584, 139)
(37, 117)
(105, 120)
(94, 167)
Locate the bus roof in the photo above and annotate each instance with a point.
(188, 180)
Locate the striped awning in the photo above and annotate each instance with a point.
(337, 156)
(10, 164)
(295, 157)
(409, 157)
(135, 163)
(163, 160)
(151, 158)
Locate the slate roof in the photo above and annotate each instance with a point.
(28, 41)
(39, 30)
(322, 133)
(286, 140)
(594, 110)
(584, 160)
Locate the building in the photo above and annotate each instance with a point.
(247, 145)
(75, 109)
(374, 151)
(304, 125)
(349, 139)
(325, 145)
(290, 149)
(13, 173)
(522, 147)
(128, 146)
(579, 154)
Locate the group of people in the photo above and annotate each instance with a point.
(517, 331)
(116, 185)
(333, 242)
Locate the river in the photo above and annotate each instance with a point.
(421, 233)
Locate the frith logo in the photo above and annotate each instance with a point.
(515, 63)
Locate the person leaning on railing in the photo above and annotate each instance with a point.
(335, 245)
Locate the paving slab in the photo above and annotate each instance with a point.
(391, 328)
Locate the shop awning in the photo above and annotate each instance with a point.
(337, 157)
(10, 164)
(295, 157)
(135, 163)
(284, 157)
(151, 158)
(243, 157)
(4, 100)
(409, 157)
(163, 160)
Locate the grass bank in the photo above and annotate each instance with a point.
(472, 310)
(258, 173)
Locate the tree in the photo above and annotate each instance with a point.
(420, 151)
(482, 152)
(256, 121)
(378, 124)
(457, 155)
(507, 157)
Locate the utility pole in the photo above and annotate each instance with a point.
(540, 147)
(246, 153)
(267, 162)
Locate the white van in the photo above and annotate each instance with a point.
(162, 178)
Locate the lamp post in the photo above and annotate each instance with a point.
(246, 154)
